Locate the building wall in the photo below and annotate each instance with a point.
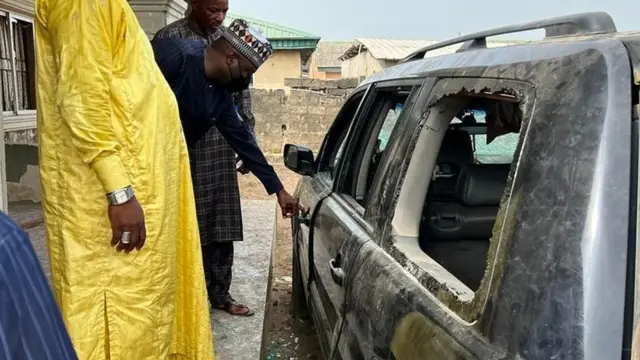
(363, 64)
(153, 15)
(324, 75)
(22, 7)
(315, 73)
(18, 123)
(281, 65)
(301, 116)
(332, 75)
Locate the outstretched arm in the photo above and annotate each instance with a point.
(244, 143)
(82, 34)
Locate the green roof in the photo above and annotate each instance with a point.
(281, 37)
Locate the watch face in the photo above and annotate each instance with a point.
(121, 197)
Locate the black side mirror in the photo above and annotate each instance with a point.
(298, 159)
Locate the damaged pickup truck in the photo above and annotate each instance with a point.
(479, 205)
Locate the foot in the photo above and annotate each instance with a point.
(235, 308)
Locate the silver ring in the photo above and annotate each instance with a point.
(126, 237)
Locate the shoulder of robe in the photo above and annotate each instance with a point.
(50, 12)
(42, 11)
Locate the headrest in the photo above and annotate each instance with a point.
(456, 148)
(482, 184)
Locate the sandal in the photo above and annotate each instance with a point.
(234, 308)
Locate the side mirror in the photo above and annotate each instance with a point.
(298, 159)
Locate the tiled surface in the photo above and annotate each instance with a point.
(236, 338)
(25, 211)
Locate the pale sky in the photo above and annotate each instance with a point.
(423, 19)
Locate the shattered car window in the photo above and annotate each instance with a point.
(388, 125)
(500, 151)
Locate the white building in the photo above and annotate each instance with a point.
(368, 56)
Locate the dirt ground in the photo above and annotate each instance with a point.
(287, 338)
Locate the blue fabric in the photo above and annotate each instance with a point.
(204, 104)
(31, 327)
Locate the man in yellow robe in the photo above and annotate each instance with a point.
(118, 201)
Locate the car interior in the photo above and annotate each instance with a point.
(389, 109)
(463, 197)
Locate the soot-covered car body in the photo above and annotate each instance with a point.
(479, 205)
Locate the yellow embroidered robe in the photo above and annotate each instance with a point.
(107, 119)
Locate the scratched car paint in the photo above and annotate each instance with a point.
(564, 231)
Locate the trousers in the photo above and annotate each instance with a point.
(217, 259)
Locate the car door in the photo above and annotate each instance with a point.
(312, 191)
(377, 306)
(339, 228)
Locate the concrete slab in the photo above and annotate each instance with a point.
(26, 213)
(236, 338)
(240, 338)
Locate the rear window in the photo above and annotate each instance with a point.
(500, 151)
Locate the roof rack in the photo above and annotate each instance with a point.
(577, 24)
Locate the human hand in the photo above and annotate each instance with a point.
(128, 217)
(243, 170)
(240, 167)
(288, 204)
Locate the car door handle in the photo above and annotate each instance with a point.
(304, 218)
(337, 274)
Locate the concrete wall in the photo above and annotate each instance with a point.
(281, 65)
(153, 15)
(301, 116)
(363, 64)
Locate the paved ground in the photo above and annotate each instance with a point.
(240, 338)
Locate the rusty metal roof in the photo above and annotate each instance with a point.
(391, 49)
(327, 54)
(385, 49)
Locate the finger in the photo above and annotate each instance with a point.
(115, 237)
(290, 211)
(143, 235)
(135, 239)
(121, 246)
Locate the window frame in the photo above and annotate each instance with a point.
(328, 147)
(370, 119)
(449, 290)
(11, 18)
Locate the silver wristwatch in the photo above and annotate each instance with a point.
(120, 196)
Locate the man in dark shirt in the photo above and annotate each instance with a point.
(214, 166)
(30, 323)
(197, 74)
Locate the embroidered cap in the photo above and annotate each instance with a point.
(248, 41)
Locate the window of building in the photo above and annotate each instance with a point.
(305, 66)
(17, 65)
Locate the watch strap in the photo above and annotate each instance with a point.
(120, 196)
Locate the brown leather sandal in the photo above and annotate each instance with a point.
(234, 308)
